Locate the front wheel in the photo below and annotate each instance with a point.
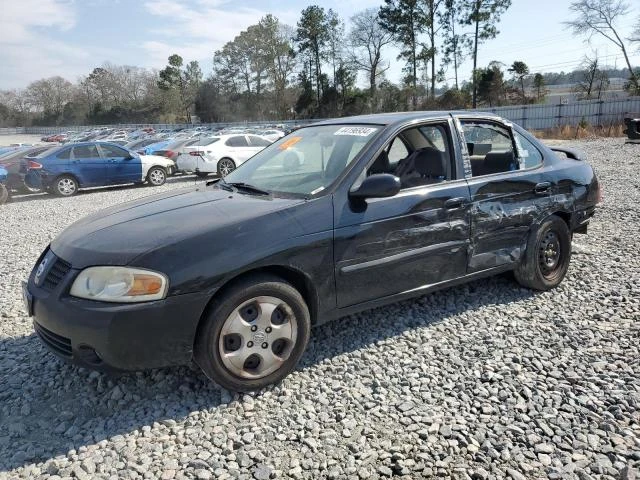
(254, 334)
(156, 176)
(225, 167)
(546, 260)
(65, 186)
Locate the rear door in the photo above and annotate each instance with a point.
(121, 165)
(257, 144)
(88, 166)
(507, 191)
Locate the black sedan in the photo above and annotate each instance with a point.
(335, 218)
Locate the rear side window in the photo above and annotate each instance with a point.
(85, 151)
(112, 151)
(530, 156)
(490, 147)
(258, 141)
(64, 155)
(239, 141)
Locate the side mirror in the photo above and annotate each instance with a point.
(381, 185)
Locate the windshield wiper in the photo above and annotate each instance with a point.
(247, 187)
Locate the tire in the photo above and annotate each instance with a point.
(156, 176)
(225, 167)
(546, 259)
(4, 194)
(255, 356)
(65, 186)
(202, 174)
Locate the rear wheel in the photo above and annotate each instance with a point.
(156, 176)
(546, 260)
(225, 167)
(65, 186)
(254, 334)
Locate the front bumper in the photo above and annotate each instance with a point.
(110, 336)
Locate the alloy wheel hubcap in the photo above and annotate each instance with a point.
(258, 337)
(157, 177)
(66, 186)
(549, 253)
(226, 167)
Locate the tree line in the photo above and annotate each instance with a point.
(273, 71)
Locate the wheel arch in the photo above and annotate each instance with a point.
(300, 281)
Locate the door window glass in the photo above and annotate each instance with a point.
(490, 147)
(258, 141)
(418, 156)
(240, 141)
(112, 151)
(85, 151)
(530, 156)
(397, 152)
(64, 155)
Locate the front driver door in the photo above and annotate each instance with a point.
(122, 166)
(415, 239)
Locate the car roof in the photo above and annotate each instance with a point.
(401, 117)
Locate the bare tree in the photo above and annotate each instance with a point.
(367, 39)
(594, 81)
(599, 17)
(635, 36)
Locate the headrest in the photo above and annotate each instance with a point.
(496, 162)
(430, 162)
(381, 165)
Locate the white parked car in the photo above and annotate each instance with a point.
(272, 135)
(220, 154)
(156, 169)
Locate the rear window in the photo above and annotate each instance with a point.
(207, 141)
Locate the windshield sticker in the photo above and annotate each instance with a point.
(289, 143)
(356, 131)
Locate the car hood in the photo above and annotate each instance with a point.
(119, 234)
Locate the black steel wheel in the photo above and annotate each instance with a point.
(546, 259)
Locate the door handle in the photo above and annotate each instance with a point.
(542, 188)
(454, 203)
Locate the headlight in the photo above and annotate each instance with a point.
(120, 284)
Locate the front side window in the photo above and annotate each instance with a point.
(490, 147)
(307, 161)
(258, 141)
(418, 156)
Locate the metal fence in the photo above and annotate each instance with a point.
(594, 112)
(534, 117)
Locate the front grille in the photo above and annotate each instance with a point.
(56, 274)
(59, 344)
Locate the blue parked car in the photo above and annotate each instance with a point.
(4, 191)
(66, 169)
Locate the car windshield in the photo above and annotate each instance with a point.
(305, 162)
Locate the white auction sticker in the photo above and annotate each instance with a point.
(356, 131)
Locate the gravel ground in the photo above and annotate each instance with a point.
(486, 380)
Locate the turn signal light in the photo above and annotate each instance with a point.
(34, 165)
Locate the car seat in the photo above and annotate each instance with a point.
(425, 166)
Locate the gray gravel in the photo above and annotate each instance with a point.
(487, 380)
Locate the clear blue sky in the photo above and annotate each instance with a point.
(40, 38)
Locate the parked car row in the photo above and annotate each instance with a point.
(63, 170)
